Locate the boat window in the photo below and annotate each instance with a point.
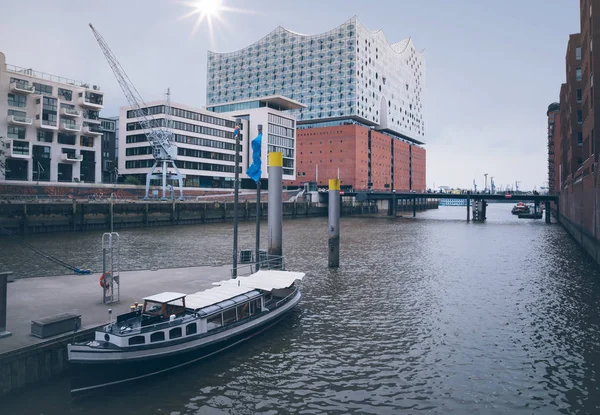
(175, 333)
(191, 329)
(215, 321)
(157, 337)
(229, 316)
(136, 340)
(242, 311)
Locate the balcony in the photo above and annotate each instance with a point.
(19, 120)
(21, 88)
(93, 101)
(92, 130)
(18, 149)
(71, 158)
(71, 113)
(47, 125)
(70, 127)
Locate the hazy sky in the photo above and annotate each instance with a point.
(492, 67)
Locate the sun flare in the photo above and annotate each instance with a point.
(209, 11)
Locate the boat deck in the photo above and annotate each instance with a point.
(35, 298)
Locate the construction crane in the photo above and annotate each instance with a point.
(159, 136)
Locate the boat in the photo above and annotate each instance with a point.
(453, 202)
(170, 330)
(520, 208)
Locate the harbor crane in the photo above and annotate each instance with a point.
(158, 131)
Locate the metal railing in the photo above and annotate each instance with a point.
(286, 299)
(54, 78)
(265, 261)
(22, 119)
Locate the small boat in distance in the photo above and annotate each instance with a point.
(171, 330)
(520, 208)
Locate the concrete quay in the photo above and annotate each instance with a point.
(26, 360)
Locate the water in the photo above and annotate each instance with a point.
(429, 315)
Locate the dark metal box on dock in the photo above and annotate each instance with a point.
(53, 325)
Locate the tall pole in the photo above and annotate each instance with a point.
(275, 166)
(260, 127)
(485, 186)
(333, 229)
(236, 186)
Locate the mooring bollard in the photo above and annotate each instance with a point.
(3, 295)
(275, 208)
(333, 230)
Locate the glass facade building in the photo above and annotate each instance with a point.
(348, 74)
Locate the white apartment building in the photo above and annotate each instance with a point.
(275, 114)
(49, 127)
(205, 144)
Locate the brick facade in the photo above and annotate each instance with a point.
(347, 147)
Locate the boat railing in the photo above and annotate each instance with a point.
(286, 299)
(266, 262)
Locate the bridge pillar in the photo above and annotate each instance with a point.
(468, 207)
(547, 209)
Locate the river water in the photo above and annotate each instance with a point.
(431, 315)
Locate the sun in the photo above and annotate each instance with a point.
(209, 10)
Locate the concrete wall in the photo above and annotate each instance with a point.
(34, 364)
(41, 217)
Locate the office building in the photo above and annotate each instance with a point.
(50, 127)
(347, 76)
(275, 114)
(204, 139)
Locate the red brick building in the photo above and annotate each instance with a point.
(554, 142)
(366, 159)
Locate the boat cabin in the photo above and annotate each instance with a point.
(163, 306)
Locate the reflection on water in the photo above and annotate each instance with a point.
(427, 315)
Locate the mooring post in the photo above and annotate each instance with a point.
(333, 230)
(258, 215)
(275, 208)
(393, 203)
(236, 187)
(547, 208)
(468, 206)
(414, 206)
(3, 295)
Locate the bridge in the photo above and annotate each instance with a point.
(477, 200)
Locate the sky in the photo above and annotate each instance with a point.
(491, 68)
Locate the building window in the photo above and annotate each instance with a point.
(16, 132)
(20, 147)
(579, 117)
(17, 101)
(86, 141)
(579, 96)
(579, 138)
(578, 74)
(70, 139)
(578, 53)
(45, 136)
(42, 89)
(65, 94)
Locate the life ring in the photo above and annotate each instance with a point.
(104, 283)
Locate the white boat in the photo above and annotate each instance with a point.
(171, 330)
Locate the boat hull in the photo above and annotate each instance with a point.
(94, 373)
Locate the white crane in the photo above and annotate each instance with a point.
(158, 131)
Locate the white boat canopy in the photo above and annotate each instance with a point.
(266, 280)
(165, 297)
(215, 295)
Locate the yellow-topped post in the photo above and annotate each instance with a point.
(275, 169)
(333, 230)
